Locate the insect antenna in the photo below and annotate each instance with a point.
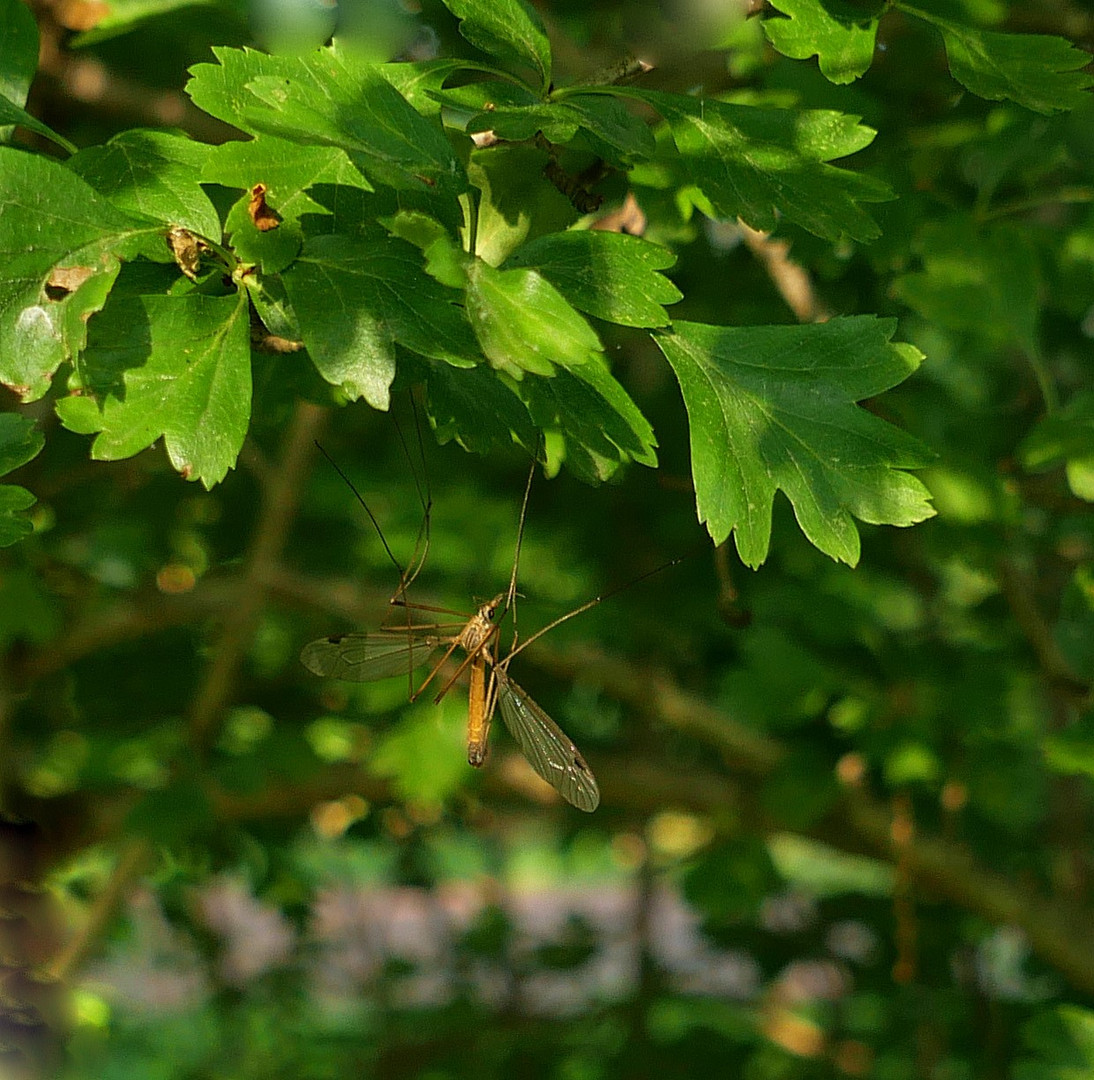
(425, 497)
(591, 604)
(511, 594)
(371, 516)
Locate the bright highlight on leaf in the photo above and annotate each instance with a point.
(329, 99)
(356, 299)
(609, 275)
(844, 47)
(60, 243)
(510, 30)
(1038, 71)
(773, 408)
(524, 324)
(171, 366)
(757, 164)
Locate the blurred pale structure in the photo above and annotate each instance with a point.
(376, 29)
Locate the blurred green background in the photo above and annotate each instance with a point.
(846, 816)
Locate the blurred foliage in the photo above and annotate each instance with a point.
(846, 816)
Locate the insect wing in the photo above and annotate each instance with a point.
(545, 745)
(367, 657)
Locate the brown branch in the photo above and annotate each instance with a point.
(279, 501)
(1061, 933)
(1019, 593)
(133, 859)
(792, 282)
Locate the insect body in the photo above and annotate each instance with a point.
(400, 649)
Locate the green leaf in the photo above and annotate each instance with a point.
(272, 250)
(329, 98)
(601, 426)
(614, 132)
(1038, 71)
(843, 43)
(515, 113)
(354, 299)
(772, 407)
(477, 408)
(1061, 1042)
(758, 164)
(524, 324)
(983, 281)
(154, 174)
(609, 275)
(508, 30)
(59, 248)
(19, 56)
(13, 527)
(424, 755)
(518, 202)
(176, 366)
(19, 443)
(419, 82)
(1065, 437)
(18, 63)
(124, 16)
(12, 114)
(286, 168)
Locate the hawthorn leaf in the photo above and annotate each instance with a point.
(19, 443)
(171, 366)
(330, 98)
(509, 30)
(13, 525)
(115, 19)
(773, 407)
(60, 245)
(758, 164)
(1037, 71)
(154, 174)
(516, 113)
(12, 115)
(616, 134)
(285, 168)
(844, 47)
(523, 322)
(19, 57)
(518, 202)
(419, 81)
(354, 299)
(477, 408)
(601, 426)
(271, 250)
(445, 260)
(610, 275)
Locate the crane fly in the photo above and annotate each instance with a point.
(384, 653)
(402, 649)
